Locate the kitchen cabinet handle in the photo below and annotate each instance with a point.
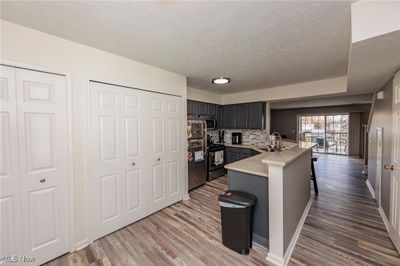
(159, 159)
(42, 180)
(133, 164)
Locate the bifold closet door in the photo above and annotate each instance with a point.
(10, 217)
(135, 140)
(165, 148)
(38, 132)
(118, 157)
(43, 141)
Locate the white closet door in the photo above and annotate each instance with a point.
(106, 158)
(42, 125)
(173, 149)
(165, 187)
(134, 187)
(158, 158)
(10, 220)
(136, 144)
(118, 161)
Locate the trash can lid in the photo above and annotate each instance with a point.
(238, 198)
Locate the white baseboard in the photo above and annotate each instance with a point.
(384, 218)
(277, 260)
(370, 188)
(296, 235)
(82, 244)
(391, 231)
(186, 197)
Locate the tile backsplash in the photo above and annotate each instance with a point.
(249, 136)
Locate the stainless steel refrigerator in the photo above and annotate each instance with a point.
(197, 152)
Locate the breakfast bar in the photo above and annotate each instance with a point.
(281, 182)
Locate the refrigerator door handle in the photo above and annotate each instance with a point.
(205, 137)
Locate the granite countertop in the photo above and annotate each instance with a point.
(258, 164)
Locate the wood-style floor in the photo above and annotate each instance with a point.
(343, 228)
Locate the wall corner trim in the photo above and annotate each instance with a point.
(371, 190)
(186, 197)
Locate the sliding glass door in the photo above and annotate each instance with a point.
(330, 133)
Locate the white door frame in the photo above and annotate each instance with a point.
(70, 156)
(379, 164)
(394, 205)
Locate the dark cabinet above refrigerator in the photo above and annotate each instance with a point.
(207, 110)
(231, 116)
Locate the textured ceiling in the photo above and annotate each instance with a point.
(257, 44)
(373, 62)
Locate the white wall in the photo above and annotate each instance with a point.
(299, 90)
(43, 51)
(203, 96)
(373, 18)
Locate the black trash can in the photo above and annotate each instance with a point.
(236, 219)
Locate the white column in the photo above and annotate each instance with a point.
(276, 225)
(289, 203)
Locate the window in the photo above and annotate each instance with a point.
(330, 133)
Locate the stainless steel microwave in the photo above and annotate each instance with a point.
(211, 124)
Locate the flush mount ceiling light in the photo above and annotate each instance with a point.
(221, 80)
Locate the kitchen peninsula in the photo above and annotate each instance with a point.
(281, 183)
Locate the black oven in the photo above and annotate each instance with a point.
(216, 161)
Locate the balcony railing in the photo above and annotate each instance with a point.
(332, 142)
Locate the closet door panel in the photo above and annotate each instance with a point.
(134, 187)
(173, 152)
(9, 226)
(173, 178)
(158, 182)
(109, 197)
(118, 157)
(40, 142)
(157, 130)
(132, 137)
(166, 151)
(106, 157)
(108, 138)
(158, 156)
(42, 125)
(10, 208)
(134, 181)
(43, 217)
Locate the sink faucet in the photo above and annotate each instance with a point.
(275, 139)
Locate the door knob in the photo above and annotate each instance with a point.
(42, 180)
(391, 167)
(133, 164)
